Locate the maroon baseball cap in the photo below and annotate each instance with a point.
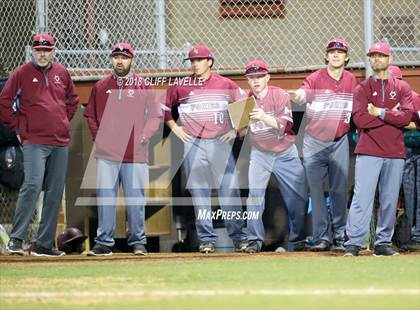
(256, 67)
(123, 48)
(337, 44)
(381, 48)
(43, 40)
(395, 72)
(198, 52)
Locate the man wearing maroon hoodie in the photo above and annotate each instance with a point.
(122, 116)
(382, 107)
(38, 101)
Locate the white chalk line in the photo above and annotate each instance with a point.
(200, 293)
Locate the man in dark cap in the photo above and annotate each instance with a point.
(39, 101)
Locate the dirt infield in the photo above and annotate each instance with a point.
(164, 257)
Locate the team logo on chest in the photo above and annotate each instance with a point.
(393, 95)
(130, 93)
(57, 79)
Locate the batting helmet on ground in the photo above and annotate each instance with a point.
(71, 240)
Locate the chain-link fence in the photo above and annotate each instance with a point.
(8, 199)
(17, 23)
(285, 33)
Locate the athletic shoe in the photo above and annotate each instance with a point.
(280, 249)
(338, 246)
(206, 247)
(100, 250)
(15, 247)
(38, 250)
(351, 250)
(412, 246)
(240, 246)
(139, 249)
(298, 247)
(320, 246)
(253, 247)
(385, 250)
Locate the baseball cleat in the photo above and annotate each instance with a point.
(253, 247)
(241, 246)
(338, 246)
(14, 247)
(385, 250)
(280, 249)
(412, 246)
(100, 250)
(44, 252)
(206, 247)
(321, 246)
(139, 249)
(351, 250)
(298, 247)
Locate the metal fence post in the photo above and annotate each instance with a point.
(161, 33)
(41, 20)
(368, 28)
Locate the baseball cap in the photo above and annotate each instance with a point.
(337, 44)
(395, 72)
(256, 67)
(381, 48)
(199, 51)
(43, 40)
(123, 48)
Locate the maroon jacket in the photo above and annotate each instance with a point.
(48, 101)
(377, 137)
(122, 117)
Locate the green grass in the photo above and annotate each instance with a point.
(270, 273)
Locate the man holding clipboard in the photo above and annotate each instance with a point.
(273, 151)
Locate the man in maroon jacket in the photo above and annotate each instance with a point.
(38, 101)
(122, 116)
(382, 107)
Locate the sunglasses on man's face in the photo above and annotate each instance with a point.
(122, 50)
(336, 45)
(42, 43)
(255, 69)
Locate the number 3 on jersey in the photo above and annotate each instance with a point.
(218, 118)
(347, 118)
